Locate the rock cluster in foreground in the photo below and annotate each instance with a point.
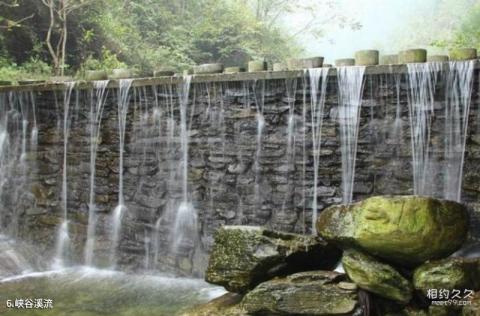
(396, 256)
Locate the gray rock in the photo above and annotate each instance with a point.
(244, 256)
(376, 277)
(406, 230)
(305, 293)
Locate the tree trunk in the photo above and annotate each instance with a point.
(50, 4)
(64, 38)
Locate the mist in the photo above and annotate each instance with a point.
(385, 25)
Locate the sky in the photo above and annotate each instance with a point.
(381, 20)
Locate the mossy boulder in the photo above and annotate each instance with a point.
(305, 293)
(376, 277)
(472, 309)
(386, 307)
(439, 310)
(225, 305)
(405, 230)
(450, 274)
(244, 256)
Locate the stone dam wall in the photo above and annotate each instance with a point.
(235, 174)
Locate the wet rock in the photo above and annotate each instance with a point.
(450, 274)
(472, 309)
(305, 293)
(225, 305)
(439, 310)
(376, 277)
(244, 256)
(407, 230)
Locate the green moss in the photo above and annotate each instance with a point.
(376, 277)
(366, 57)
(451, 273)
(463, 53)
(407, 230)
(412, 56)
(306, 293)
(244, 256)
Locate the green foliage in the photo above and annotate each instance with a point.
(32, 69)
(447, 24)
(468, 34)
(146, 34)
(107, 62)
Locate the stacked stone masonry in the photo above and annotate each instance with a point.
(223, 170)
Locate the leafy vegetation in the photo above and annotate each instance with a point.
(447, 24)
(42, 37)
(76, 35)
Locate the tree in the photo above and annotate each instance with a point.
(445, 24)
(59, 11)
(9, 24)
(316, 15)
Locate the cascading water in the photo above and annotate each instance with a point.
(185, 226)
(458, 90)
(350, 92)
(63, 238)
(97, 102)
(318, 87)
(422, 80)
(397, 125)
(259, 96)
(291, 89)
(123, 102)
(17, 148)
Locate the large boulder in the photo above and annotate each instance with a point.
(406, 230)
(225, 305)
(376, 277)
(450, 274)
(305, 293)
(244, 256)
(472, 309)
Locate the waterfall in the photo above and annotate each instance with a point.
(350, 92)
(63, 238)
(185, 224)
(458, 90)
(34, 134)
(123, 99)
(422, 80)
(291, 89)
(318, 87)
(97, 102)
(17, 147)
(259, 103)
